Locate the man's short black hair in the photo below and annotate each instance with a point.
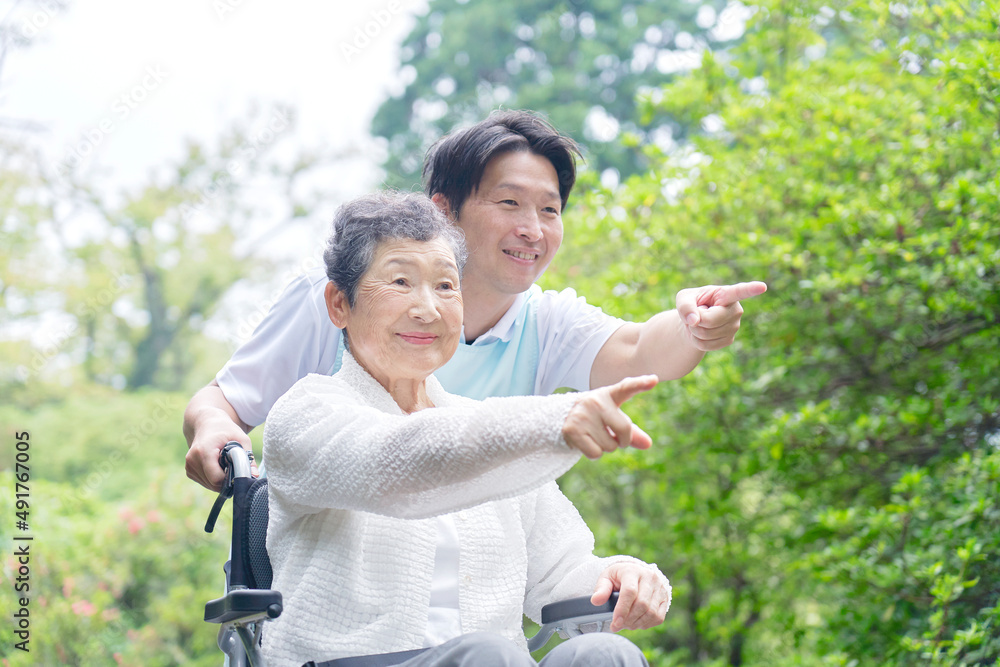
(454, 165)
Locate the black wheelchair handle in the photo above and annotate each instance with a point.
(235, 461)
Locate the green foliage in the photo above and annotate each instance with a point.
(100, 442)
(857, 176)
(927, 555)
(121, 566)
(565, 59)
(117, 582)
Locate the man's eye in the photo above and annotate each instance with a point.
(509, 202)
(551, 209)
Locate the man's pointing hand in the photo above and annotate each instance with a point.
(712, 313)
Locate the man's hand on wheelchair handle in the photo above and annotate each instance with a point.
(202, 460)
(208, 426)
(644, 595)
(596, 424)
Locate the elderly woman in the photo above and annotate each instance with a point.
(404, 517)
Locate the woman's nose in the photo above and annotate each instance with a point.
(423, 307)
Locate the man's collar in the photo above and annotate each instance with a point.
(503, 330)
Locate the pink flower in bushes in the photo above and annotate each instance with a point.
(68, 587)
(84, 608)
(135, 525)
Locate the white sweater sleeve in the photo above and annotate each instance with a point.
(326, 447)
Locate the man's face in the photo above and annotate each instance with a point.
(512, 224)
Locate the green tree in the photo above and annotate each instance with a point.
(123, 301)
(858, 177)
(927, 555)
(580, 62)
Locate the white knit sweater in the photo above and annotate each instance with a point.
(353, 485)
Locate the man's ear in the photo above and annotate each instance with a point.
(336, 305)
(444, 205)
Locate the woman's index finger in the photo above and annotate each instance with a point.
(631, 386)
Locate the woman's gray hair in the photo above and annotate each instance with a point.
(361, 225)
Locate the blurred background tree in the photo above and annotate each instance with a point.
(104, 298)
(121, 285)
(582, 62)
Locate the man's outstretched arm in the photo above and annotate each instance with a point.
(209, 423)
(670, 344)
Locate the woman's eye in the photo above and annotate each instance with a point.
(551, 209)
(399, 281)
(509, 202)
(447, 286)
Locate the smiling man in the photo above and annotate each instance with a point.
(505, 182)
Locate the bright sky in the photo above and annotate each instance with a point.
(136, 78)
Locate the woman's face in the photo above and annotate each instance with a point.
(407, 317)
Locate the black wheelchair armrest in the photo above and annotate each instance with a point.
(244, 605)
(566, 617)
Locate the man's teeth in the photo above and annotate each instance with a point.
(521, 255)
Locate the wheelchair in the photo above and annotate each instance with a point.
(249, 601)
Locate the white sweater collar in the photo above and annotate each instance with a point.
(373, 393)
